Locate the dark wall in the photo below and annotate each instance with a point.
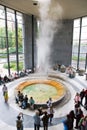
(61, 52)
(29, 33)
(61, 49)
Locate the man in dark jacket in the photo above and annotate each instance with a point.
(45, 119)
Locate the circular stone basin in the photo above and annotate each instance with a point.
(42, 90)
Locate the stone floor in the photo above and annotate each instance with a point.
(9, 111)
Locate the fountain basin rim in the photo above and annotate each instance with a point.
(51, 82)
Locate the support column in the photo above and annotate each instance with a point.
(29, 41)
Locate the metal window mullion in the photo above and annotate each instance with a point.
(7, 45)
(16, 35)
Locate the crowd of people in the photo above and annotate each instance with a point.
(77, 117)
(74, 119)
(42, 117)
(24, 102)
(14, 75)
(69, 70)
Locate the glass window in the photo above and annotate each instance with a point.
(20, 39)
(11, 29)
(2, 12)
(84, 33)
(2, 44)
(82, 59)
(83, 43)
(11, 39)
(84, 21)
(10, 15)
(76, 32)
(2, 28)
(19, 18)
(77, 23)
(20, 30)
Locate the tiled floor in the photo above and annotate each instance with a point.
(9, 112)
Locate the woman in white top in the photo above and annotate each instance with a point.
(50, 113)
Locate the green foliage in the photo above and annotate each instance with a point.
(13, 66)
(20, 37)
(5, 66)
(11, 38)
(2, 39)
(76, 58)
(3, 56)
(12, 50)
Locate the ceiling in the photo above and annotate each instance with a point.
(71, 8)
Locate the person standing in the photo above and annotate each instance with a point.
(36, 121)
(6, 96)
(50, 113)
(31, 102)
(19, 123)
(78, 116)
(49, 102)
(45, 119)
(82, 94)
(66, 122)
(4, 89)
(77, 98)
(22, 119)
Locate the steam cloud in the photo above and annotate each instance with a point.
(50, 14)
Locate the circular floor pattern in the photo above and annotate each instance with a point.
(8, 112)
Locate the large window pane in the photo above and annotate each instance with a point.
(84, 33)
(11, 37)
(10, 15)
(77, 23)
(20, 40)
(82, 60)
(2, 28)
(82, 46)
(19, 18)
(76, 31)
(2, 12)
(2, 44)
(20, 30)
(11, 29)
(75, 53)
(3, 49)
(84, 21)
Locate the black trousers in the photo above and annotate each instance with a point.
(36, 127)
(45, 126)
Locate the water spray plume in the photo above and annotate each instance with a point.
(50, 14)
